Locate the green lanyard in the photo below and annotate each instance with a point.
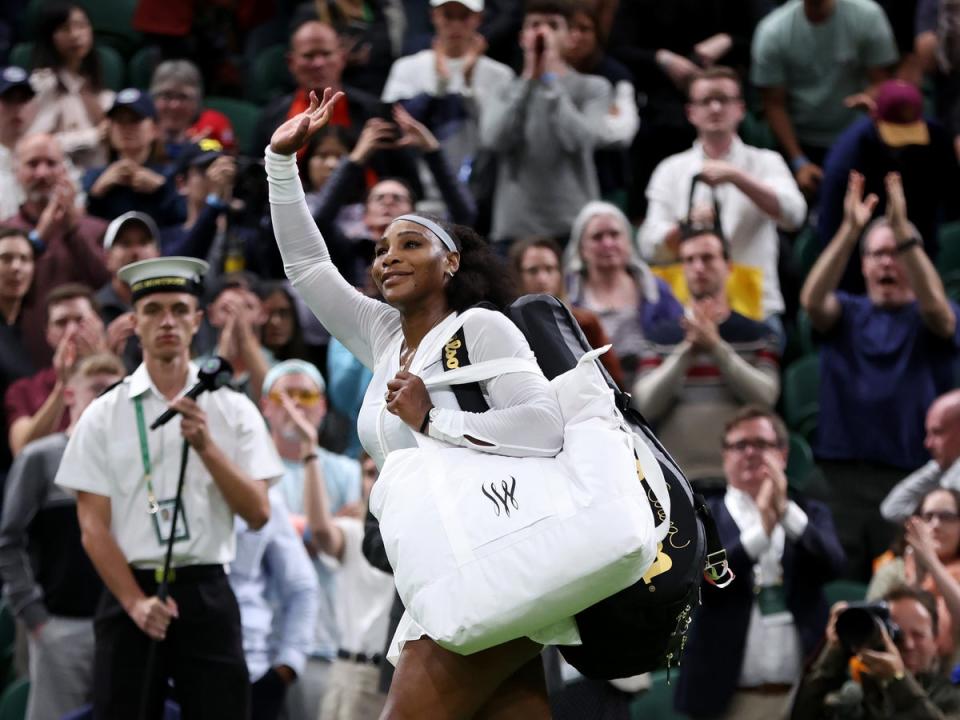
(145, 456)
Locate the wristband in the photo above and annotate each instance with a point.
(308, 458)
(38, 245)
(907, 244)
(548, 78)
(798, 162)
(426, 421)
(214, 201)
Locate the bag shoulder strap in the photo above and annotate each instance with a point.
(454, 356)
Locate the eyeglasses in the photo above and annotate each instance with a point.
(724, 100)
(307, 398)
(877, 254)
(944, 516)
(757, 444)
(395, 197)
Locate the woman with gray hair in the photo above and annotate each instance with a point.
(177, 91)
(607, 276)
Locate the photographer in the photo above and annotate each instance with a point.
(892, 678)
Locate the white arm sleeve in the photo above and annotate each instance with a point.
(524, 417)
(362, 324)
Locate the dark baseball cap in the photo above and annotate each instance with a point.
(13, 78)
(135, 100)
(198, 155)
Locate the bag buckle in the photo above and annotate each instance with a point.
(717, 570)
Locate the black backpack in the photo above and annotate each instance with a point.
(643, 627)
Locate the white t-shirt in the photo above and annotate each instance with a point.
(364, 595)
(103, 457)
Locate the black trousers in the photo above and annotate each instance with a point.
(268, 694)
(202, 653)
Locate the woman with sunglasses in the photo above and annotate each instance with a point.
(425, 271)
(930, 560)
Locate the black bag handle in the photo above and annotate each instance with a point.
(687, 227)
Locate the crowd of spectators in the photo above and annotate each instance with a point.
(692, 177)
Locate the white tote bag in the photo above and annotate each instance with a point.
(487, 548)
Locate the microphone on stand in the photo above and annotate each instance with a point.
(214, 373)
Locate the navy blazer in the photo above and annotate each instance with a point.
(711, 664)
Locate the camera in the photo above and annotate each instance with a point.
(858, 626)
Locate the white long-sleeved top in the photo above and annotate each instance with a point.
(751, 232)
(524, 419)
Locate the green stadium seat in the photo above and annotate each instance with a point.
(801, 400)
(848, 590)
(269, 77)
(13, 702)
(657, 702)
(948, 260)
(806, 249)
(800, 463)
(243, 116)
(111, 64)
(112, 22)
(141, 66)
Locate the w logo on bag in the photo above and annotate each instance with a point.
(506, 499)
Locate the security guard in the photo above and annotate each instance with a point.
(126, 479)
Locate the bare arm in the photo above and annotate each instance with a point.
(926, 283)
(327, 535)
(818, 296)
(150, 614)
(244, 495)
(775, 110)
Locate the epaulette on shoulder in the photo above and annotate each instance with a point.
(111, 387)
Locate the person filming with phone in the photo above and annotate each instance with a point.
(890, 649)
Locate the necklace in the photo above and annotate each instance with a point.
(406, 357)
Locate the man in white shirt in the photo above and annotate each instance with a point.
(754, 187)
(126, 480)
(16, 111)
(442, 86)
(782, 549)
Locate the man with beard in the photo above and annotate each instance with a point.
(65, 238)
(884, 358)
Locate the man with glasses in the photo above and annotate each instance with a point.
(698, 371)
(783, 549)
(294, 403)
(754, 187)
(884, 358)
(943, 442)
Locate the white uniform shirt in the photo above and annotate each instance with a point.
(103, 457)
(772, 652)
(751, 232)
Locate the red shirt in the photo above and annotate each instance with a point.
(27, 395)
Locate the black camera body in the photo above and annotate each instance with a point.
(858, 626)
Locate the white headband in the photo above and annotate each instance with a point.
(432, 226)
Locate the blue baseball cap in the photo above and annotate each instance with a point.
(135, 100)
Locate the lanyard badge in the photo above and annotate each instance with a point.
(161, 511)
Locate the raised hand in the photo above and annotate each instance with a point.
(307, 432)
(297, 131)
(857, 210)
(896, 206)
(414, 134)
